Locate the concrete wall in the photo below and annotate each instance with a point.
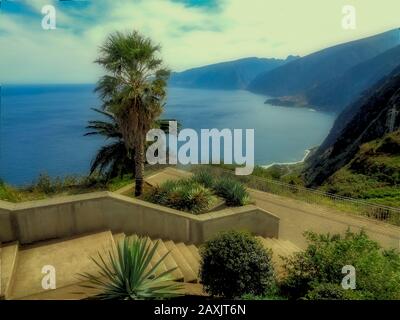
(73, 215)
(6, 223)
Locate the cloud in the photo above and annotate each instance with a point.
(191, 32)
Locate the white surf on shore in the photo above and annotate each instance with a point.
(306, 154)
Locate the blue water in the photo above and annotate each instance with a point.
(42, 127)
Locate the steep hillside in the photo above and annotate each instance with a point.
(302, 75)
(337, 93)
(373, 174)
(375, 114)
(226, 75)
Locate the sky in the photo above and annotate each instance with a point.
(191, 32)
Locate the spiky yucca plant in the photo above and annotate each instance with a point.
(204, 177)
(186, 195)
(128, 275)
(233, 191)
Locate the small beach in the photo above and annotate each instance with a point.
(306, 155)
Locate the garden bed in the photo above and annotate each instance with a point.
(198, 194)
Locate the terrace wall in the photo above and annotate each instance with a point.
(73, 215)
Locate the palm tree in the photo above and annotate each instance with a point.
(128, 274)
(133, 89)
(113, 159)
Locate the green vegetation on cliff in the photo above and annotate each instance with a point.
(373, 174)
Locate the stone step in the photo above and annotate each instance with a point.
(288, 247)
(195, 252)
(291, 246)
(277, 246)
(280, 250)
(8, 266)
(69, 257)
(267, 243)
(71, 292)
(187, 254)
(156, 257)
(118, 238)
(188, 273)
(169, 261)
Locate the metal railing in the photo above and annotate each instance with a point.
(313, 196)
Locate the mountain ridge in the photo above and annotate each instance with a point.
(298, 77)
(231, 75)
(354, 81)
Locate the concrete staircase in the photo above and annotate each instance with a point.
(8, 264)
(21, 267)
(280, 249)
(68, 257)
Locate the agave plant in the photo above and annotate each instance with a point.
(127, 274)
(233, 191)
(204, 177)
(186, 195)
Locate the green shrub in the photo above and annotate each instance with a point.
(234, 192)
(8, 193)
(185, 195)
(253, 297)
(119, 182)
(330, 291)
(377, 270)
(71, 181)
(45, 184)
(204, 177)
(234, 264)
(273, 293)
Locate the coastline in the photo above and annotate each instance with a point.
(306, 154)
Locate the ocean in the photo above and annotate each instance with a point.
(42, 126)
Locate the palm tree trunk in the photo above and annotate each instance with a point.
(139, 167)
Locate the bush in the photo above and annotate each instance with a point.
(185, 195)
(235, 264)
(204, 177)
(234, 192)
(273, 293)
(45, 184)
(8, 193)
(377, 270)
(330, 291)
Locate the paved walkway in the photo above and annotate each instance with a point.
(297, 216)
